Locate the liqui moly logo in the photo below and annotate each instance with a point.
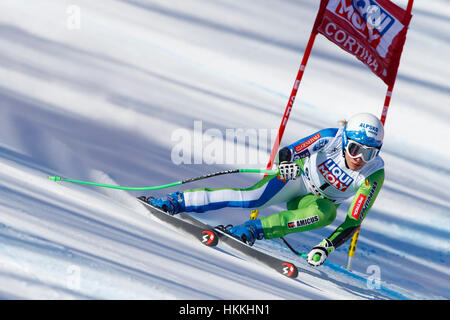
(335, 175)
(374, 15)
(370, 20)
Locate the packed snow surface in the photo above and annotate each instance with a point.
(111, 90)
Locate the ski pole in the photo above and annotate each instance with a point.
(303, 255)
(56, 178)
(352, 249)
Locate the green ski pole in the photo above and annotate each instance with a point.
(56, 178)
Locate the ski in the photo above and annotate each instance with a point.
(212, 237)
(183, 222)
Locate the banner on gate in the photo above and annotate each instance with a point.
(374, 31)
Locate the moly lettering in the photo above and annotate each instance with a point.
(335, 175)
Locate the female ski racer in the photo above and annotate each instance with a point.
(316, 174)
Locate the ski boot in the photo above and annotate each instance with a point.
(172, 203)
(248, 232)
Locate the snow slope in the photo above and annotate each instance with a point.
(106, 102)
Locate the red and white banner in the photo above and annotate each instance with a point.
(372, 30)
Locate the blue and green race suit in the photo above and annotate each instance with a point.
(313, 198)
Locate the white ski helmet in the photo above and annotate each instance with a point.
(364, 128)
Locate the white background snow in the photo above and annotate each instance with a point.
(104, 100)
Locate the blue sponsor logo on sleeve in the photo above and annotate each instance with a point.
(320, 144)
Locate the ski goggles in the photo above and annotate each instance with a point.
(356, 150)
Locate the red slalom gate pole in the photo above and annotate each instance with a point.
(387, 102)
(290, 104)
